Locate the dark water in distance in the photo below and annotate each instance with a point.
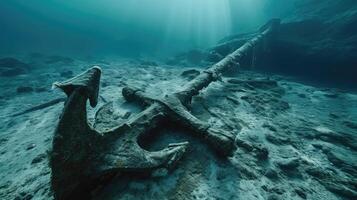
(127, 27)
(318, 39)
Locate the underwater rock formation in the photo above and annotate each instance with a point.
(83, 157)
(10, 67)
(317, 41)
(320, 43)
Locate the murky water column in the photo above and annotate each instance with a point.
(203, 22)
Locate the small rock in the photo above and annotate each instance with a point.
(340, 162)
(350, 124)
(278, 190)
(334, 116)
(30, 146)
(317, 172)
(302, 95)
(247, 173)
(300, 192)
(289, 164)
(38, 158)
(262, 153)
(283, 105)
(271, 173)
(273, 197)
(244, 144)
(270, 127)
(318, 146)
(104, 84)
(276, 139)
(233, 99)
(341, 190)
(190, 74)
(24, 89)
(265, 188)
(3, 140)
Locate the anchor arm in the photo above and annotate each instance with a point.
(221, 141)
(137, 95)
(74, 138)
(81, 156)
(123, 153)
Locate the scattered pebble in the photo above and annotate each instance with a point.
(30, 146)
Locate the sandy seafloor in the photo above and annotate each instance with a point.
(309, 133)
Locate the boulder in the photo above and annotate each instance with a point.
(318, 44)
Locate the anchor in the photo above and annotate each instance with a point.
(83, 157)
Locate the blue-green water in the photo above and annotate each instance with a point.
(127, 27)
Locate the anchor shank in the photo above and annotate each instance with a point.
(212, 74)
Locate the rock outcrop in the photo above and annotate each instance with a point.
(318, 41)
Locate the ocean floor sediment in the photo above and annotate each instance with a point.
(295, 141)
